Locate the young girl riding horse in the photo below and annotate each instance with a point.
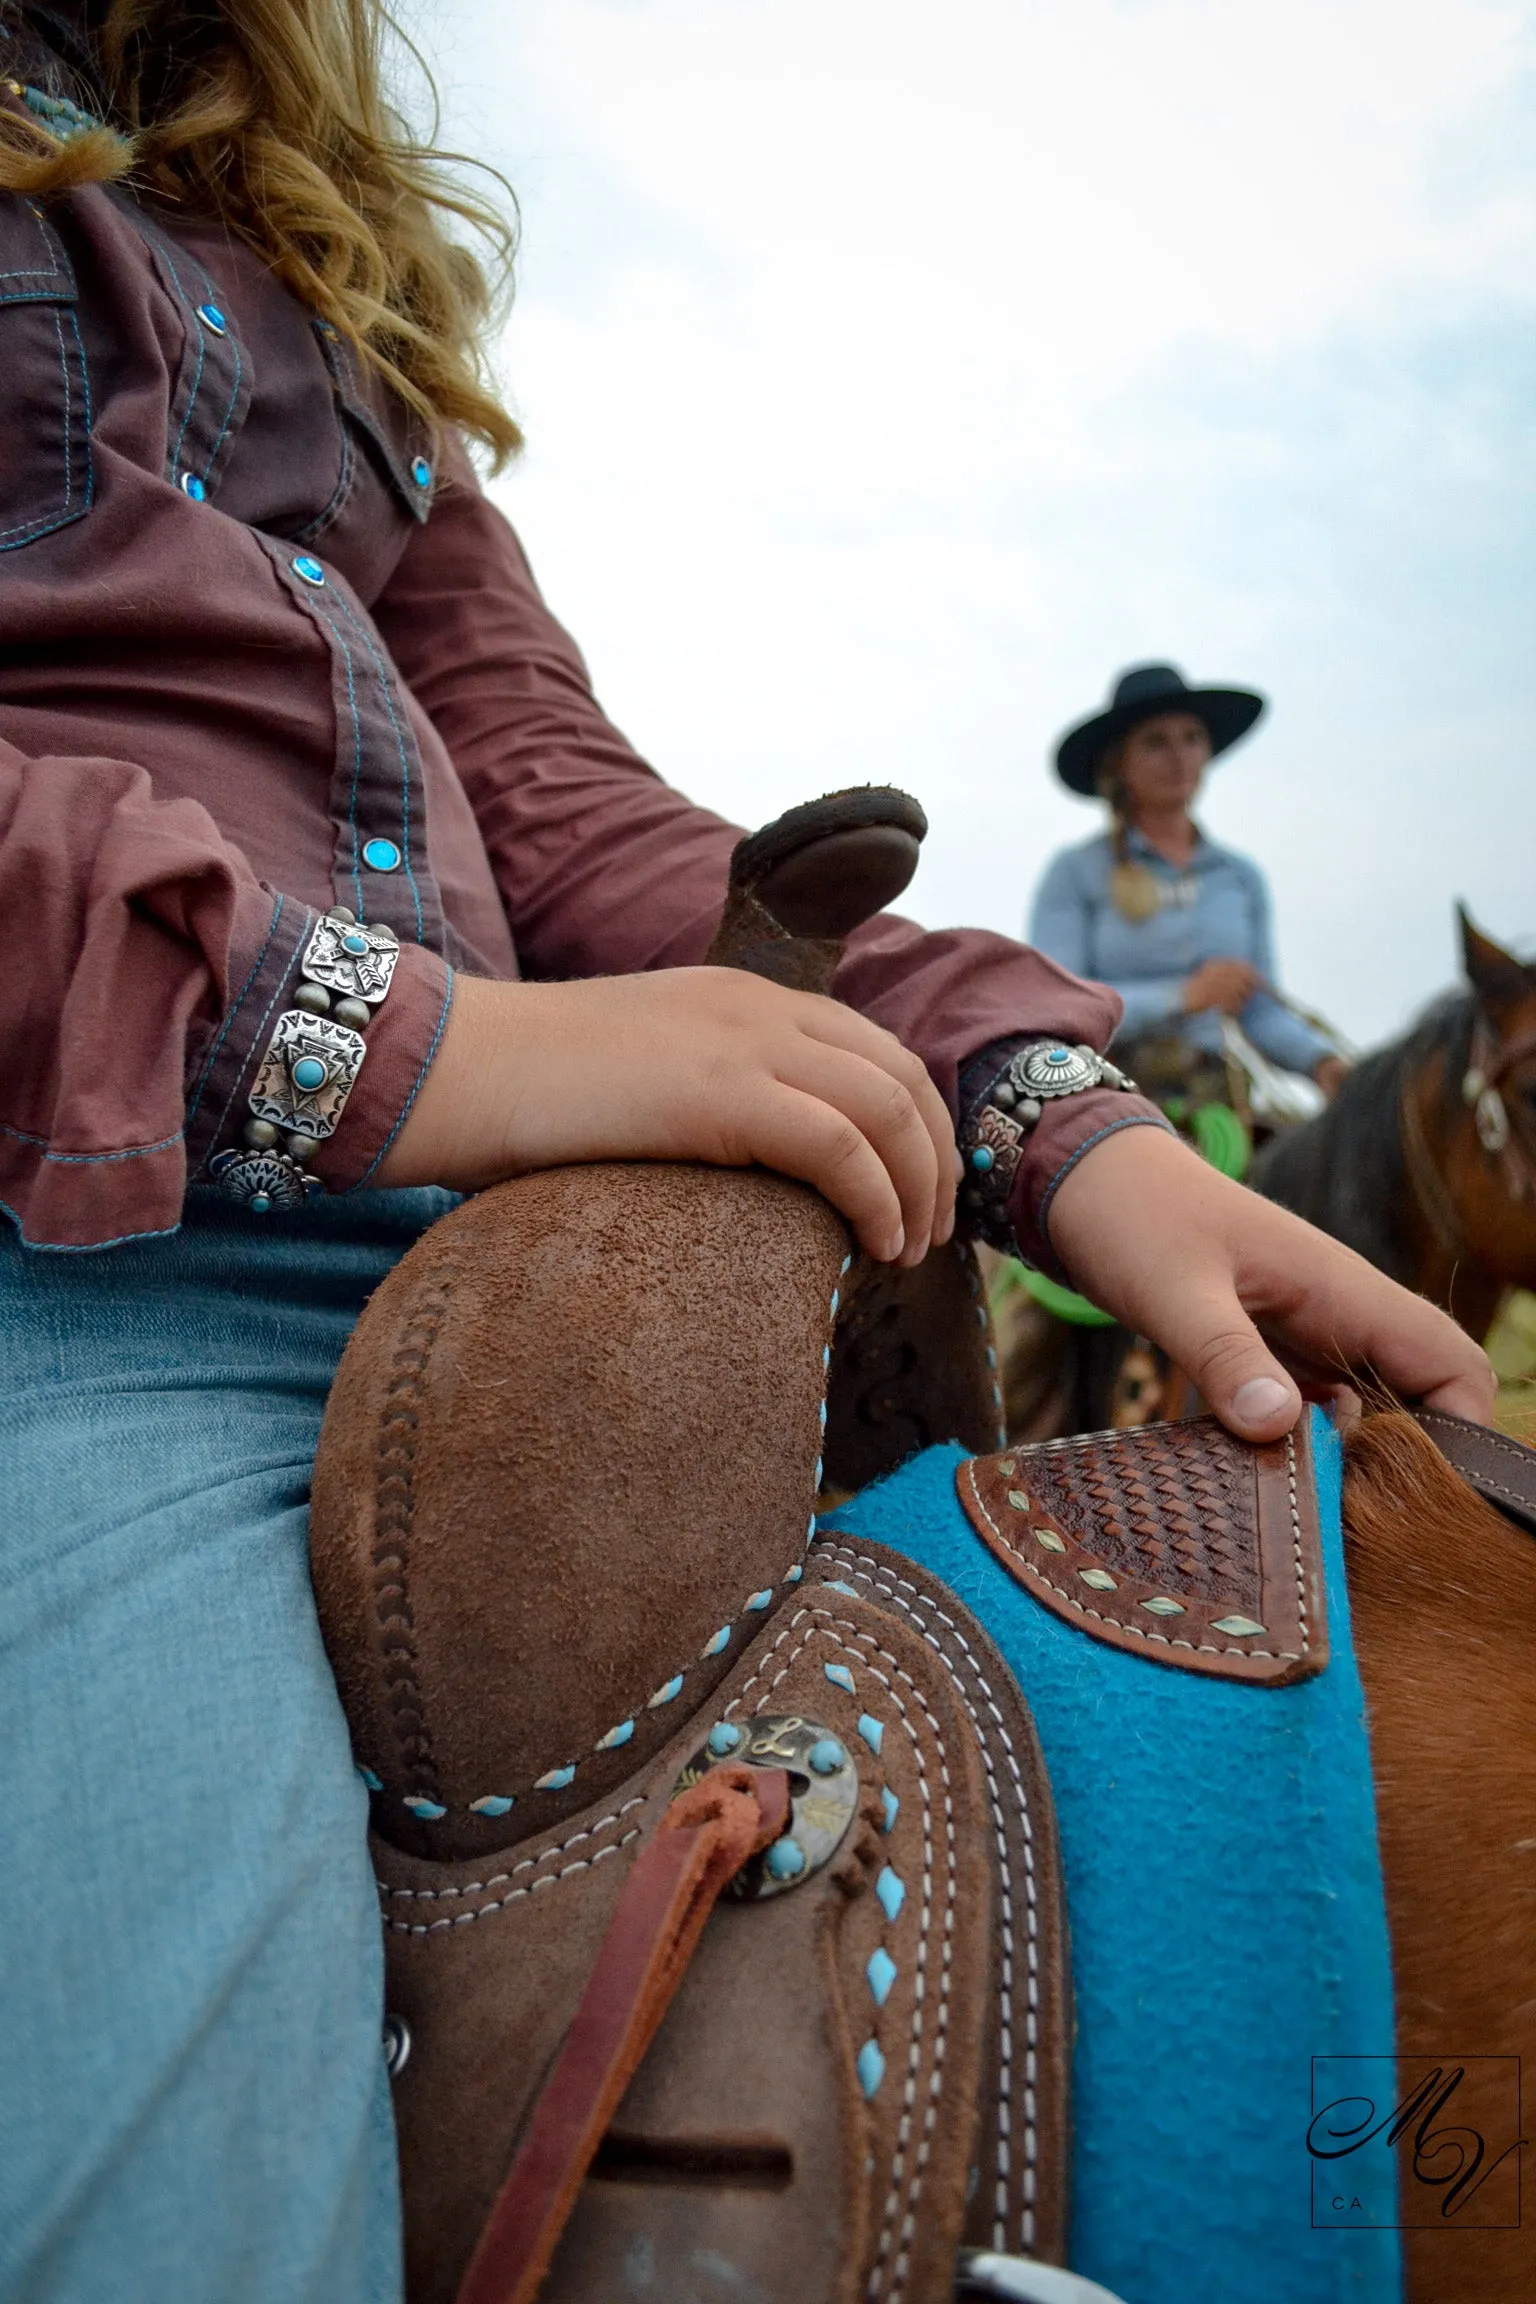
(335, 895)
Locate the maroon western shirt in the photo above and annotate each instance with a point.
(200, 749)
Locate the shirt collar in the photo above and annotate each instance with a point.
(1204, 852)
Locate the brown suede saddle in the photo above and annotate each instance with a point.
(724, 1930)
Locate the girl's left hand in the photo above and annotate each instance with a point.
(1244, 1296)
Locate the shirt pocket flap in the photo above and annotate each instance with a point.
(398, 439)
(45, 404)
(33, 266)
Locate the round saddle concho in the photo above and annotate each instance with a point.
(823, 1796)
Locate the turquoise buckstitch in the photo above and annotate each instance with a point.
(405, 765)
(1131, 1120)
(279, 993)
(89, 1159)
(426, 1065)
(209, 1061)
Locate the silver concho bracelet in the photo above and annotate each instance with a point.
(312, 1061)
(993, 1132)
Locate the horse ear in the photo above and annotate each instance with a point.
(1494, 974)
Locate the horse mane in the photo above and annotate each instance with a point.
(1442, 1597)
(1344, 1170)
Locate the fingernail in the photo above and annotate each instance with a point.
(1260, 1399)
(895, 1245)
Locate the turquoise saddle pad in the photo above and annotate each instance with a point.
(1228, 1927)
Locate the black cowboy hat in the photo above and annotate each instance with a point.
(1141, 694)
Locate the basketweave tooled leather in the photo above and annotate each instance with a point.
(1175, 1542)
(759, 2144)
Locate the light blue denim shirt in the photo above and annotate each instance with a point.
(1215, 908)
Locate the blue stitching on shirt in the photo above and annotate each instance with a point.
(405, 765)
(214, 292)
(229, 413)
(218, 1126)
(357, 761)
(1131, 1120)
(88, 1159)
(28, 531)
(83, 1247)
(316, 606)
(426, 1066)
(208, 1064)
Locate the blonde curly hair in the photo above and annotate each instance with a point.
(272, 115)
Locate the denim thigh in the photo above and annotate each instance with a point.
(193, 2103)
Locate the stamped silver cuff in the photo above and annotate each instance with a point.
(311, 1064)
(994, 1131)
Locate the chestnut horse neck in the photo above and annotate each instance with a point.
(1442, 1594)
(1469, 1156)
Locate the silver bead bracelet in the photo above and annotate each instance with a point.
(993, 1132)
(311, 1065)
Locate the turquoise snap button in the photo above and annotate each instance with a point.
(421, 472)
(981, 1158)
(193, 487)
(309, 1073)
(381, 856)
(212, 317)
(309, 568)
(354, 943)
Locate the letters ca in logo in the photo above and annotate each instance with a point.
(1429, 2142)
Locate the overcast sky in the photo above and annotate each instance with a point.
(893, 374)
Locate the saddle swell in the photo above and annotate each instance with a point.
(542, 1620)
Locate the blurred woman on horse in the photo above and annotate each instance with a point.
(1178, 925)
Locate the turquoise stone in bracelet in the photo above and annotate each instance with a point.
(311, 1064)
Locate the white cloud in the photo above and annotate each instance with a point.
(891, 375)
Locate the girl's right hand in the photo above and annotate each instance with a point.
(687, 1064)
(1227, 985)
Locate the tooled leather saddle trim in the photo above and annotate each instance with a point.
(1177, 1543)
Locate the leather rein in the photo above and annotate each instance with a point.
(1488, 1066)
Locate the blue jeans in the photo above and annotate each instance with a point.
(193, 2104)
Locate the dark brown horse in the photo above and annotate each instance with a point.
(1426, 1160)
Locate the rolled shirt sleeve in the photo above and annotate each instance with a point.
(156, 964)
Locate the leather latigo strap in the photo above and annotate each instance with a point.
(857, 2074)
(706, 1836)
(1501, 1470)
(1175, 1542)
